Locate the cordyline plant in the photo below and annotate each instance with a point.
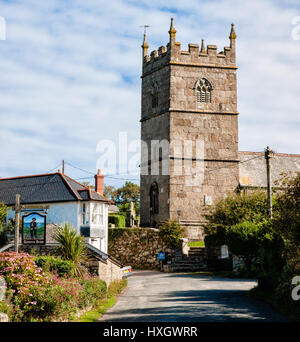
(72, 247)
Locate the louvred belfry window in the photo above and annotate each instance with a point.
(203, 90)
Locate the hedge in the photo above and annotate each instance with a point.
(119, 220)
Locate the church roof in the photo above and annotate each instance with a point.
(252, 167)
(46, 188)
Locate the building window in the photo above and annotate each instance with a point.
(154, 198)
(154, 95)
(203, 90)
(85, 213)
(97, 214)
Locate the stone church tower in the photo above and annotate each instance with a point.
(189, 131)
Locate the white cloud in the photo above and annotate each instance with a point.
(70, 73)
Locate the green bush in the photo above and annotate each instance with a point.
(171, 232)
(286, 221)
(119, 220)
(284, 301)
(55, 264)
(3, 237)
(216, 236)
(243, 240)
(238, 208)
(261, 249)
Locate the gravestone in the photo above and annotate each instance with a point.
(2, 288)
(3, 316)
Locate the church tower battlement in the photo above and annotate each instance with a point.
(189, 96)
(172, 53)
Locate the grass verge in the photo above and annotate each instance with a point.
(114, 290)
(196, 244)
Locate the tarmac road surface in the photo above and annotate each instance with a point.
(178, 297)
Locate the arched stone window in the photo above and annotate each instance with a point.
(154, 198)
(154, 95)
(203, 90)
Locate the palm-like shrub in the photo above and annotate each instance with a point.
(72, 247)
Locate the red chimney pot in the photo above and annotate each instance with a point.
(99, 182)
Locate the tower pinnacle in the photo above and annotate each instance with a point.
(232, 36)
(145, 46)
(172, 31)
(202, 50)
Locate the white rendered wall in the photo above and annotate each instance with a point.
(59, 213)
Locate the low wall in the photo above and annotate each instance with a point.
(137, 247)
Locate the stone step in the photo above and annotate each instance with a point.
(195, 253)
(183, 268)
(188, 261)
(197, 249)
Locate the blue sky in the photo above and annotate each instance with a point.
(70, 74)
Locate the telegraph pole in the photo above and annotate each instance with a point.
(63, 167)
(17, 222)
(269, 189)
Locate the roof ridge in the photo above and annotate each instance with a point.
(275, 153)
(69, 186)
(86, 187)
(29, 176)
(101, 195)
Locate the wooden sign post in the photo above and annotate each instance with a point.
(17, 222)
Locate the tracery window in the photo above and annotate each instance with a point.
(203, 90)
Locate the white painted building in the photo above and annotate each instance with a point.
(68, 201)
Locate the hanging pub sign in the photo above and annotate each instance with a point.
(34, 229)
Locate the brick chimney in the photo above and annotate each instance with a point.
(99, 182)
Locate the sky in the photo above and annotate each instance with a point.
(70, 75)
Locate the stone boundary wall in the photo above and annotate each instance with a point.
(137, 247)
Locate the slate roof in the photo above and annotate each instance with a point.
(113, 209)
(252, 167)
(46, 188)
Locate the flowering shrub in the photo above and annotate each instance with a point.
(44, 296)
(22, 276)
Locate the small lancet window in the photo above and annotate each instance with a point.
(203, 90)
(154, 95)
(154, 198)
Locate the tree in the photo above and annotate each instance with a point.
(243, 240)
(3, 212)
(233, 210)
(287, 219)
(130, 192)
(240, 207)
(109, 191)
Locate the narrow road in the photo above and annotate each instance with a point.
(176, 297)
